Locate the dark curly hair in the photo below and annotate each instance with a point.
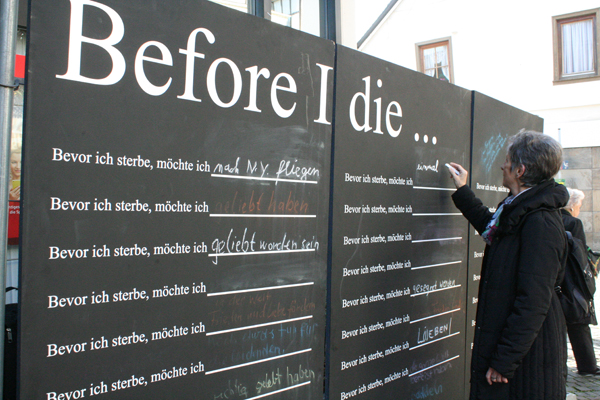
(540, 154)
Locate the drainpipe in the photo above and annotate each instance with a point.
(8, 34)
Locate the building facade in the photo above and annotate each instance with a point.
(539, 56)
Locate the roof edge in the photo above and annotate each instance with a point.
(377, 22)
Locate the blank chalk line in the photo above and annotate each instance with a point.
(280, 390)
(257, 178)
(437, 240)
(435, 290)
(260, 289)
(252, 253)
(432, 188)
(436, 315)
(435, 214)
(436, 265)
(257, 362)
(436, 340)
(433, 366)
(261, 216)
(243, 328)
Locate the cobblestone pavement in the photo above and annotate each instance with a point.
(585, 387)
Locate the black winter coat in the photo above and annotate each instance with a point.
(520, 330)
(573, 225)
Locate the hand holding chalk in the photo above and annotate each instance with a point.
(458, 174)
(452, 169)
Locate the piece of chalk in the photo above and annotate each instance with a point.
(452, 169)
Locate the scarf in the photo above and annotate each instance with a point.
(492, 226)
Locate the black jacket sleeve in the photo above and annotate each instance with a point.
(472, 208)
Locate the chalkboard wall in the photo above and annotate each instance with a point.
(176, 211)
(493, 123)
(175, 233)
(399, 245)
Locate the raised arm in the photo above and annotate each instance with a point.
(464, 199)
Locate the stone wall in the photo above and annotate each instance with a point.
(581, 170)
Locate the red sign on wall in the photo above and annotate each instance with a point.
(20, 66)
(14, 212)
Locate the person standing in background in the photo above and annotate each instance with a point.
(580, 334)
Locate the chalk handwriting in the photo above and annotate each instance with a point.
(425, 334)
(491, 149)
(235, 389)
(425, 167)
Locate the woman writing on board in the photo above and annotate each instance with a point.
(519, 349)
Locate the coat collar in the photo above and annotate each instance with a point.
(547, 195)
(565, 212)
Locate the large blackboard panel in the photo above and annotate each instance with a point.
(234, 305)
(399, 246)
(493, 123)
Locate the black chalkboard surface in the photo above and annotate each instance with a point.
(493, 123)
(399, 246)
(175, 203)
